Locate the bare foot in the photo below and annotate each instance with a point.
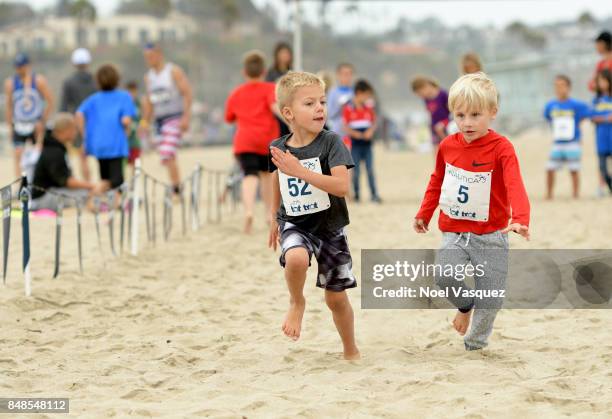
(352, 355)
(462, 322)
(292, 326)
(248, 224)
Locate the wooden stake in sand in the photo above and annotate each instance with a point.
(122, 208)
(218, 195)
(5, 194)
(195, 182)
(58, 234)
(183, 213)
(110, 198)
(24, 196)
(167, 212)
(145, 195)
(79, 208)
(154, 213)
(135, 205)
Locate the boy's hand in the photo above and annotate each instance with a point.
(273, 237)
(184, 123)
(420, 226)
(287, 163)
(440, 129)
(517, 228)
(368, 134)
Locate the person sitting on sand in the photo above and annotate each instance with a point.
(310, 173)
(52, 174)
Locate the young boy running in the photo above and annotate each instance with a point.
(477, 183)
(310, 173)
(360, 123)
(252, 107)
(564, 115)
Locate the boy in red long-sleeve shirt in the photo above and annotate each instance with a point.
(478, 185)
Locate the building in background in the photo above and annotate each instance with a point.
(64, 33)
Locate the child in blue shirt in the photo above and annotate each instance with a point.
(339, 96)
(104, 120)
(602, 116)
(564, 115)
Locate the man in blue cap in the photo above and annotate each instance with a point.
(28, 105)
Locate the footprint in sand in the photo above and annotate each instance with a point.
(139, 394)
(203, 374)
(56, 317)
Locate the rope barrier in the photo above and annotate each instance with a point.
(130, 195)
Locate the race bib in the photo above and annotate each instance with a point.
(299, 197)
(24, 128)
(160, 96)
(465, 195)
(563, 128)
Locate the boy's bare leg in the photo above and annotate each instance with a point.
(84, 167)
(173, 171)
(249, 192)
(18, 153)
(342, 312)
(266, 192)
(550, 183)
(575, 183)
(296, 265)
(461, 323)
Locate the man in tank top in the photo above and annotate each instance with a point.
(28, 106)
(167, 105)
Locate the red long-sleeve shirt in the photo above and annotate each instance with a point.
(508, 199)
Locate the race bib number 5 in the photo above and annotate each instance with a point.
(299, 197)
(465, 195)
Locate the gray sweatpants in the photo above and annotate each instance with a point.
(489, 251)
(51, 201)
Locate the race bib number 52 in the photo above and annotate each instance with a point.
(299, 197)
(465, 195)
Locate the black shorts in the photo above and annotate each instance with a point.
(111, 170)
(335, 264)
(252, 163)
(19, 141)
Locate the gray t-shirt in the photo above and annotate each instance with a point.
(332, 152)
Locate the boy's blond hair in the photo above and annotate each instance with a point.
(290, 82)
(476, 91)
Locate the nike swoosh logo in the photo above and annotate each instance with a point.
(479, 164)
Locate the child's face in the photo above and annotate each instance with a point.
(345, 76)
(284, 57)
(308, 110)
(601, 47)
(362, 97)
(602, 84)
(562, 89)
(473, 123)
(428, 91)
(133, 93)
(470, 66)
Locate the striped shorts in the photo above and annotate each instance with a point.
(168, 137)
(331, 251)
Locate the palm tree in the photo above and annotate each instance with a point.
(81, 10)
(230, 13)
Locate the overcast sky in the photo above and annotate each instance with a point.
(381, 15)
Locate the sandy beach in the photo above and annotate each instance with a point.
(191, 327)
